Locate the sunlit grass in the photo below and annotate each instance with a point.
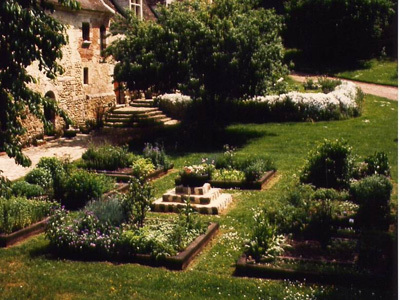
(374, 71)
(27, 271)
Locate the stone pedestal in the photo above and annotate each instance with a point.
(205, 199)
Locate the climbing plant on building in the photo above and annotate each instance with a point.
(28, 34)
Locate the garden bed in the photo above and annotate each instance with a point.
(253, 185)
(7, 240)
(247, 268)
(182, 259)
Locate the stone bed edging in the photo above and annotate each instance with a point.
(245, 269)
(7, 240)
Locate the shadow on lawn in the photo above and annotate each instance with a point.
(177, 140)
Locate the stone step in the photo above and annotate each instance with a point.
(114, 118)
(139, 103)
(119, 124)
(171, 123)
(133, 110)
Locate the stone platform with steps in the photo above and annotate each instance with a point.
(139, 113)
(205, 199)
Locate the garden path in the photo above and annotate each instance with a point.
(62, 148)
(389, 92)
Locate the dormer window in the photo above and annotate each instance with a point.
(136, 7)
(86, 31)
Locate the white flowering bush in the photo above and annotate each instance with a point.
(343, 102)
(174, 105)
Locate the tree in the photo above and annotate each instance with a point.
(214, 51)
(337, 30)
(28, 34)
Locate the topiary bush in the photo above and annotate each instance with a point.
(373, 195)
(329, 165)
(83, 186)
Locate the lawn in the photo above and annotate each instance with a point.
(28, 271)
(374, 71)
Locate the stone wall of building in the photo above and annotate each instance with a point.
(80, 100)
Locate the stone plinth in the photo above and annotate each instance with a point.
(205, 199)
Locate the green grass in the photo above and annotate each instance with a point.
(27, 271)
(374, 71)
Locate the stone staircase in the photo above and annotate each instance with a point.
(139, 113)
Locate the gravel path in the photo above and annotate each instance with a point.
(389, 92)
(62, 148)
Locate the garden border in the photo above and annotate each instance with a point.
(183, 259)
(253, 185)
(125, 177)
(244, 269)
(7, 240)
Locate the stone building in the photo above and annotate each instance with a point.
(86, 88)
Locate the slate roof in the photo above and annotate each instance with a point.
(93, 5)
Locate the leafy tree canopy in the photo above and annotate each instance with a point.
(28, 34)
(215, 51)
(338, 30)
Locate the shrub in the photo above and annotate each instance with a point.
(108, 210)
(329, 194)
(142, 167)
(373, 195)
(59, 170)
(26, 189)
(41, 177)
(18, 212)
(137, 202)
(328, 85)
(264, 241)
(320, 225)
(255, 167)
(329, 165)
(107, 157)
(5, 186)
(309, 84)
(157, 155)
(83, 186)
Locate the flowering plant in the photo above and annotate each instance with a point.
(196, 175)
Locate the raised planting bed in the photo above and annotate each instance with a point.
(304, 260)
(225, 184)
(176, 262)
(182, 259)
(124, 175)
(22, 234)
(253, 185)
